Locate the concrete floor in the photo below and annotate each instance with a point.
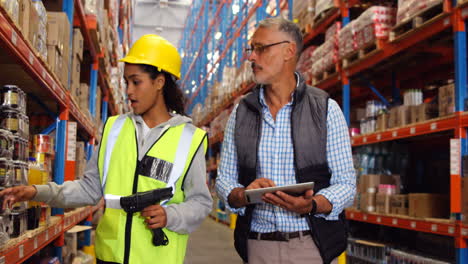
(212, 242)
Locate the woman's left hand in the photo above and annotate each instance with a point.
(155, 216)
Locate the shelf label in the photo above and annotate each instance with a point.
(433, 126)
(434, 228)
(31, 58)
(352, 215)
(14, 38)
(21, 251)
(43, 73)
(394, 134)
(455, 156)
(412, 130)
(464, 232)
(413, 224)
(379, 136)
(364, 139)
(47, 235)
(352, 141)
(364, 217)
(446, 21)
(451, 230)
(35, 242)
(395, 221)
(379, 219)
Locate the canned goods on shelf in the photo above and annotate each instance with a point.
(20, 221)
(23, 122)
(11, 97)
(5, 172)
(10, 120)
(20, 173)
(43, 144)
(6, 144)
(20, 149)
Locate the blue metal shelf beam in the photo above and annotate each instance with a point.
(226, 47)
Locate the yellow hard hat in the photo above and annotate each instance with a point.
(156, 51)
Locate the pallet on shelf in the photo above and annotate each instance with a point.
(324, 75)
(422, 19)
(361, 54)
(319, 18)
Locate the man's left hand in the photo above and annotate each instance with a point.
(155, 216)
(301, 204)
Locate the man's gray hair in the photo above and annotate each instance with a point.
(286, 26)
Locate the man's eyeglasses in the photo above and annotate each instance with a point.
(259, 49)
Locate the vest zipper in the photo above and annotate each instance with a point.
(129, 222)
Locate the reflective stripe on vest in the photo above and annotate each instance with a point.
(112, 138)
(183, 150)
(182, 153)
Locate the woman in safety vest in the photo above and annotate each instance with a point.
(155, 147)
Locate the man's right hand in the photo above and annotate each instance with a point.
(17, 194)
(237, 196)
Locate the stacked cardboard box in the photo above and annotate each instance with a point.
(80, 162)
(399, 116)
(399, 204)
(58, 45)
(368, 185)
(77, 58)
(83, 96)
(446, 99)
(428, 205)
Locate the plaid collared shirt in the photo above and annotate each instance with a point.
(276, 162)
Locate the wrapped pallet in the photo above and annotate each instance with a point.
(347, 40)
(375, 23)
(407, 9)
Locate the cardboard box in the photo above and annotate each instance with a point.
(446, 99)
(80, 159)
(427, 111)
(78, 43)
(370, 182)
(414, 114)
(64, 73)
(54, 59)
(427, 205)
(382, 121)
(392, 117)
(403, 116)
(382, 203)
(33, 25)
(58, 31)
(83, 96)
(75, 73)
(24, 14)
(367, 202)
(399, 204)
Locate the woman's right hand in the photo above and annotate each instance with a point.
(17, 194)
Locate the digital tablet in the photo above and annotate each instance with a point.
(255, 195)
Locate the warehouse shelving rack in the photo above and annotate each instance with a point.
(453, 18)
(48, 92)
(226, 36)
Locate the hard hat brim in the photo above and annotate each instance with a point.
(134, 60)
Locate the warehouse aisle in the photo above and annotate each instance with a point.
(211, 243)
